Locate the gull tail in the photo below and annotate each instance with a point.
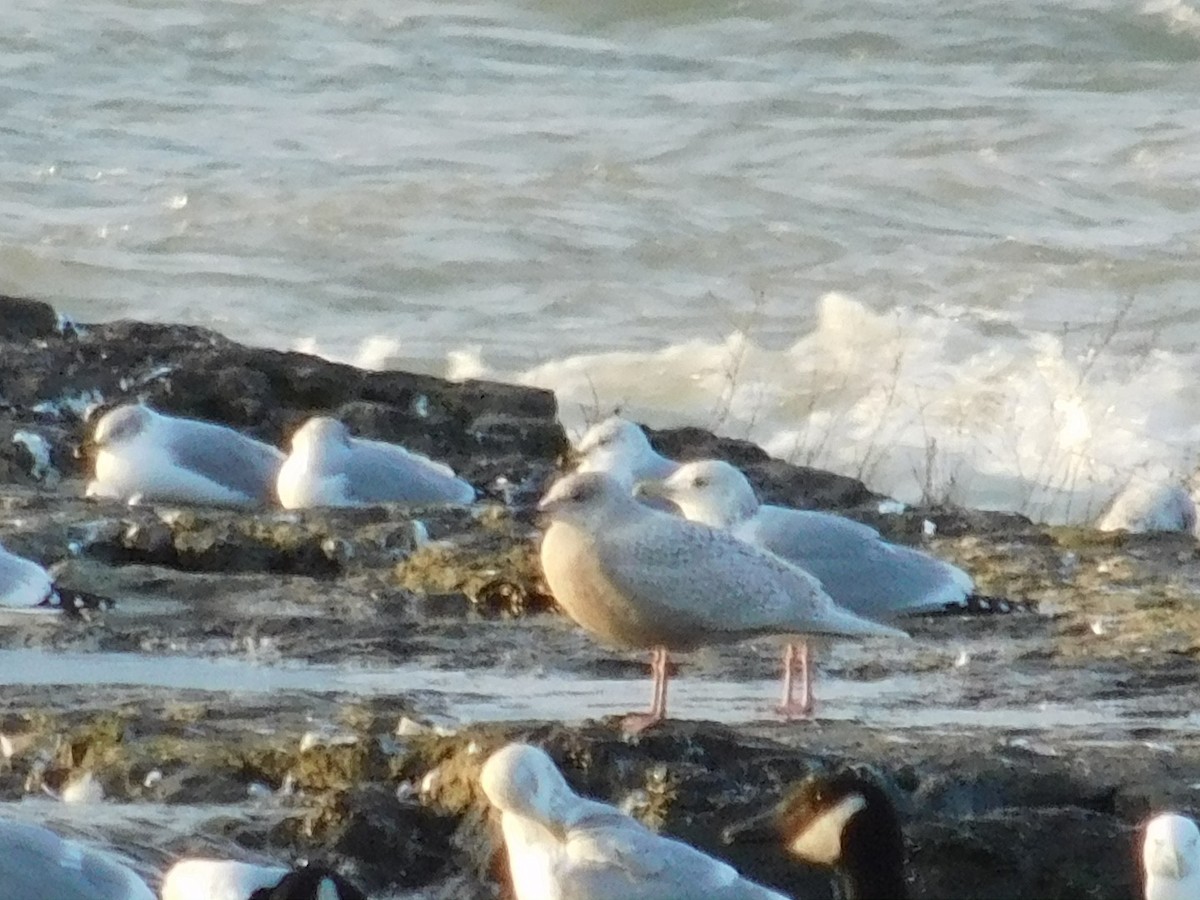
(983, 605)
(835, 620)
(76, 604)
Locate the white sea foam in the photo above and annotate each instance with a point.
(915, 403)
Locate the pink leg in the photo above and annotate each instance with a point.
(637, 722)
(793, 660)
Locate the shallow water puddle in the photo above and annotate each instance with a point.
(901, 701)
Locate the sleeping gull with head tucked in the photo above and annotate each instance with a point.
(1171, 858)
(37, 864)
(637, 577)
(328, 467)
(564, 847)
(25, 585)
(621, 449)
(145, 456)
(857, 568)
(222, 879)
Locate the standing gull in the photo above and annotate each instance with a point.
(25, 585)
(1171, 858)
(633, 576)
(564, 847)
(145, 456)
(857, 568)
(328, 467)
(621, 449)
(37, 864)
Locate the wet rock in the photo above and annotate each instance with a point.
(1024, 807)
(482, 429)
(774, 480)
(494, 566)
(317, 543)
(391, 841)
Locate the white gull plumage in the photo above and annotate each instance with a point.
(222, 879)
(857, 568)
(329, 467)
(564, 847)
(145, 456)
(23, 583)
(1147, 505)
(1171, 858)
(37, 864)
(637, 577)
(621, 449)
(28, 587)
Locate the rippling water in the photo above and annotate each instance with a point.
(948, 247)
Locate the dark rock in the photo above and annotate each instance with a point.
(774, 480)
(25, 319)
(484, 430)
(393, 842)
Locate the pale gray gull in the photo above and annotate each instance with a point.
(37, 864)
(633, 576)
(565, 847)
(329, 467)
(25, 585)
(143, 456)
(1171, 858)
(857, 568)
(221, 879)
(1146, 506)
(621, 449)
(841, 821)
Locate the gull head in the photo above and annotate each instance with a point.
(1171, 849)
(837, 820)
(124, 423)
(621, 449)
(320, 431)
(522, 780)
(708, 490)
(585, 498)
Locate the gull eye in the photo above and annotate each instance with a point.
(700, 481)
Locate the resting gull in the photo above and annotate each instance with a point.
(145, 456)
(328, 467)
(37, 864)
(562, 846)
(633, 576)
(1171, 857)
(621, 449)
(838, 820)
(857, 568)
(25, 585)
(1146, 506)
(220, 879)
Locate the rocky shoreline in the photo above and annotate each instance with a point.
(282, 663)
